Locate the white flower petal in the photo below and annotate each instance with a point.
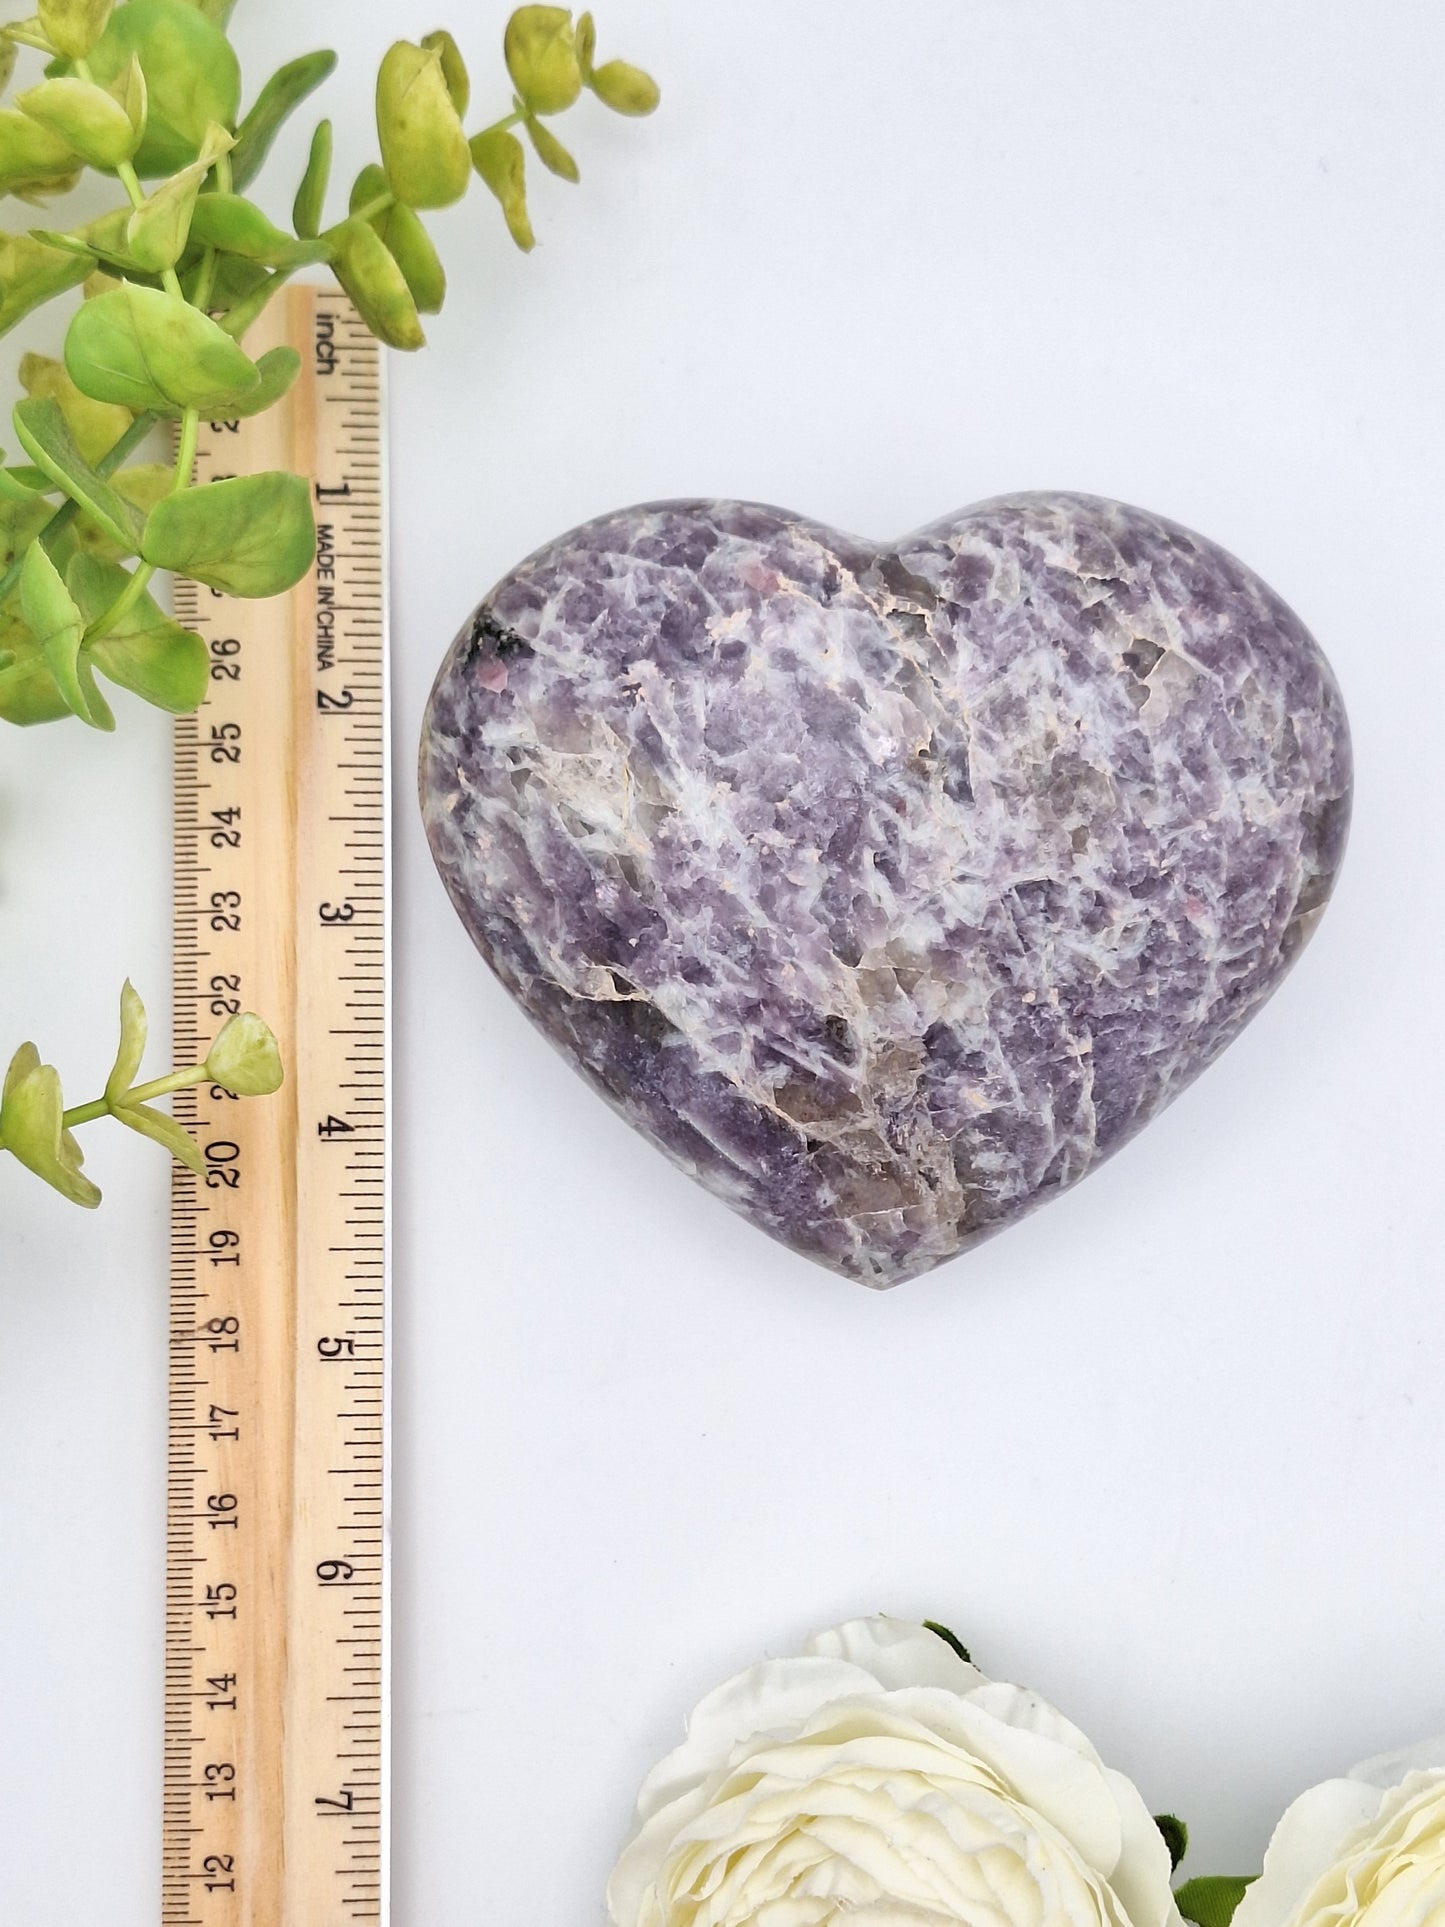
(1307, 1839)
(1032, 1713)
(1048, 1764)
(897, 1652)
(771, 1697)
(1388, 1769)
(1141, 1878)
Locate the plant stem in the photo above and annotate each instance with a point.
(368, 212)
(134, 588)
(111, 460)
(142, 1094)
(186, 449)
(206, 279)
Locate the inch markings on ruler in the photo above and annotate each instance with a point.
(276, 1606)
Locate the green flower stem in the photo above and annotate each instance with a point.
(206, 279)
(66, 513)
(368, 212)
(186, 448)
(111, 460)
(134, 589)
(142, 1094)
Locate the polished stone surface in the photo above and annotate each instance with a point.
(887, 890)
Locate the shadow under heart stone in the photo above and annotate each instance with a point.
(887, 889)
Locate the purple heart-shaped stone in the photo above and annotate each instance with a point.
(887, 890)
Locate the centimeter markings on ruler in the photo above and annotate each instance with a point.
(276, 1607)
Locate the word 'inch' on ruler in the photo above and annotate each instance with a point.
(276, 1605)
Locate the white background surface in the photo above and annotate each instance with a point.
(1171, 1450)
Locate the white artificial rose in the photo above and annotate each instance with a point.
(1365, 1851)
(879, 1780)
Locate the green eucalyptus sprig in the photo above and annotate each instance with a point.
(36, 1128)
(147, 94)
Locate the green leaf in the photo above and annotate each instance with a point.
(132, 1043)
(541, 57)
(245, 1058)
(234, 279)
(191, 74)
(1176, 1837)
(59, 628)
(277, 100)
(423, 147)
(411, 247)
(1211, 1902)
(161, 1130)
(251, 536)
(311, 195)
(130, 91)
(217, 11)
(454, 68)
(157, 231)
(950, 1639)
(585, 40)
(498, 158)
(89, 120)
(370, 185)
(31, 272)
(144, 348)
(96, 425)
(626, 90)
(19, 484)
(405, 239)
(277, 369)
(73, 26)
(22, 517)
(144, 483)
(241, 314)
(33, 159)
(237, 226)
(142, 486)
(550, 151)
(104, 236)
(32, 1127)
(105, 247)
(368, 271)
(45, 435)
(145, 652)
(29, 694)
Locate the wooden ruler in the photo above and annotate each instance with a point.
(276, 1606)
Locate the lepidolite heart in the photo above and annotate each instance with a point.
(887, 890)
